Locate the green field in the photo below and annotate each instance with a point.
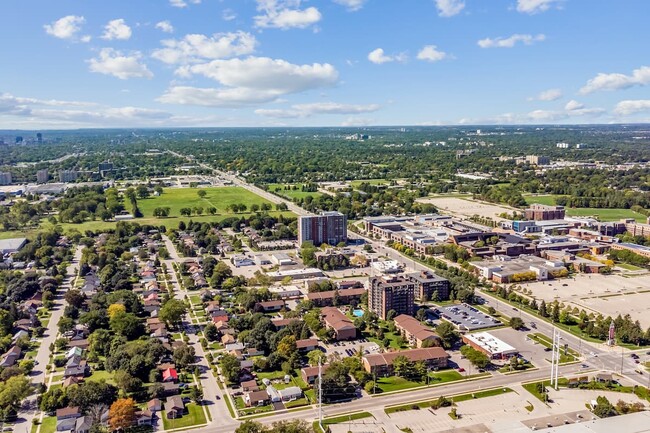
(221, 197)
(48, 425)
(455, 399)
(356, 183)
(600, 214)
(394, 383)
(290, 193)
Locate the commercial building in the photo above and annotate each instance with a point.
(542, 212)
(328, 227)
(637, 229)
(5, 178)
(387, 266)
(342, 326)
(637, 249)
(503, 269)
(67, 176)
(42, 176)
(538, 160)
(296, 274)
(430, 286)
(415, 332)
(388, 293)
(10, 246)
(490, 345)
(381, 364)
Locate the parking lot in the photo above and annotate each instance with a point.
(467, 318)
(350, 348)
(529, 349)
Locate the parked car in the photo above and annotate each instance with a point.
(461, 370)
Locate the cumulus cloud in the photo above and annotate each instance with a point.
(165, 26)
(182, 3)
(378, 56)
(352, 5)
(117, 64)
(574, 105)
(66, 28)
(228, 15)
(449, 8)
(431, 53)
(547, 95)
(616, 81)
(632, 106)
(117, 29)
(510, 41)
(534, 6)
(307, 110)
(196, 47)
(285, 14)
(249, 81)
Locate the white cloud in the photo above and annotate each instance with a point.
(352, 5)
(228, 15)
(357, 121)
(285, 14)
(616, 81)
(449, 8)
(195, 47)
(510, 41)
(632, 106)
(378, 57)
(574, 105)
(430, 53)
(182, 3)
(117, 29)
(248, 81)
(165, 26)
(307, 110)
(113, 62)
(534, 6)
(547, 95)
(66, 27)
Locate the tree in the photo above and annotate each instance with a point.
(201, 193)
(53, 399)
(251, 427)
(172, 312)
(447, 334)
(126, 324)
(113, 309)
(91, 393)
(314, 356)
(126, 382)
(287, 346)
(230, 367)
(196, 394)
(604, 408)
(121, 414)
(65, 324)
(12, 392)
(516, 323)
(74, 298)
(210, 332)
(542, 309)
(402, 366)
(184, 355)
(477, 358)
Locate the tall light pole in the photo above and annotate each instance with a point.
(555, 359)
(320, 395)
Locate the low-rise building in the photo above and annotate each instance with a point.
(415, 332)
(342, 325)
(270, 306)
(381, 364)
(490, 345)
(338, 297)
(310, 374)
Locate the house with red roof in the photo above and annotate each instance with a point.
(170, 375)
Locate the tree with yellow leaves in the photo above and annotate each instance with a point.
(121, 415)
(113, 309)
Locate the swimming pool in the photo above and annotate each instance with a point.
(357, 313)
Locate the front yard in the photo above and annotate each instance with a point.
(194, 416)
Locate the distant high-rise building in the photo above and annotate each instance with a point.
(538, 160)
(388, 293)
(19, 139)
(42, 176)
(541, 212)
(5, 178)
(39, 137)
(105, 166)
(328, 227)
(67, 176)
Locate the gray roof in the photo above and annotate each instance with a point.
(11, 245)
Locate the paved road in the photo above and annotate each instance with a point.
(242, 183)
(29, 410)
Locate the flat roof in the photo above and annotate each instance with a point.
(12, 244)
(490, 343)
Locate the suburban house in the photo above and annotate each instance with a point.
(257, 398)
(10, 358)
(342, 325)
(174, 407)
(415, 332)
(250, 386)
(381, 364)
(269, 306)
(66, 419)
(154, 405)
(83, 424)
(170, 375)
(310, 374)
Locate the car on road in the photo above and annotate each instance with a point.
(585, 366)
(461, 370)
(634, 356)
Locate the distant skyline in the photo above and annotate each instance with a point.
(174, 63)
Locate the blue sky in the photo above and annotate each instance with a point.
(123, 63)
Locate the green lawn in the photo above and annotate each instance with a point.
(629, 267)
(279, 189)
(16, 234)
(547, 199)
(346, 418)
(456, 399)
(48, 425)
(220, 197)
(195, 416)
(101, 375)
(356, 183)
(601, 214)
(393, 337)
(394, 383)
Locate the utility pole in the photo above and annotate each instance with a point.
(320, 395)
(555, 359)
